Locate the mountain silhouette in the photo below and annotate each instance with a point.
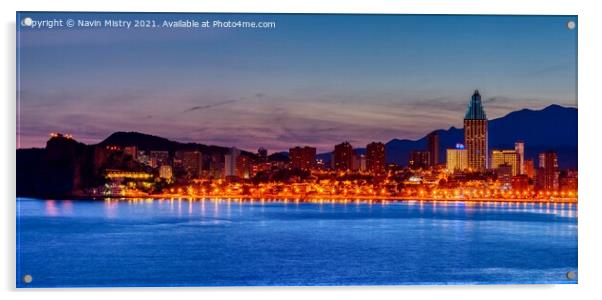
(552, 128)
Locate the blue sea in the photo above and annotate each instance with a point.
(102, 243)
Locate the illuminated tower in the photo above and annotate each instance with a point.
(475, 134)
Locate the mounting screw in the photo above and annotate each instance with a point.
(570, 275)
(571, 25)
(27, 278)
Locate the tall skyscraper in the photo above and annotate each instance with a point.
(375, 158)
(343, 157)
(547, 173)
(519, 147)
(433, 147)
(303, 158)
(457, 159)
(506, 157)
(475, 134)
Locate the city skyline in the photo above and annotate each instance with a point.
(308, 92)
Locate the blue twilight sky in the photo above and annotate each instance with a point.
(313, 80)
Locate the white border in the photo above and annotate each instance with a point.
(590, 147)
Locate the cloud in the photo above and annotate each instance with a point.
(496, 99)
(207, 106)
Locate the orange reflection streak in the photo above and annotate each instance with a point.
(110, 208)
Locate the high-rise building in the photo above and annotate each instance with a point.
(547, 172)
(216, 165)
(357, 161)
(243, 166)
(509, 157)
(519, 147)
(190, 161)
(303, 158)
(158, 158)
(364, 163)
(375, 158)
(475, 134)
(230, 160)
(432, 141)
(457, 159)
(343, 157)
(530, 168)
(419, 159)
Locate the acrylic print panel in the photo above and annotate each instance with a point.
(172, 149)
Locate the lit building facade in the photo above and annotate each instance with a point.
(343, 157)
(519, 147)
(504, 175)
(375, 158)
(457, 159)
(475, 134)
(243, 166)
(568, 181)
(303, 158)
(521, 183)
(165, 172)
(547, 172)
(510, 157)
(364, 163)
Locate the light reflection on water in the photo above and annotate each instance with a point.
(205, 242)
(112, 208)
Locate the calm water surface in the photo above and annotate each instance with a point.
(213, 243)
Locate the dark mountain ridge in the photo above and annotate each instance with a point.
(551, 128)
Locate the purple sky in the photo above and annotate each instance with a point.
(314, 80)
